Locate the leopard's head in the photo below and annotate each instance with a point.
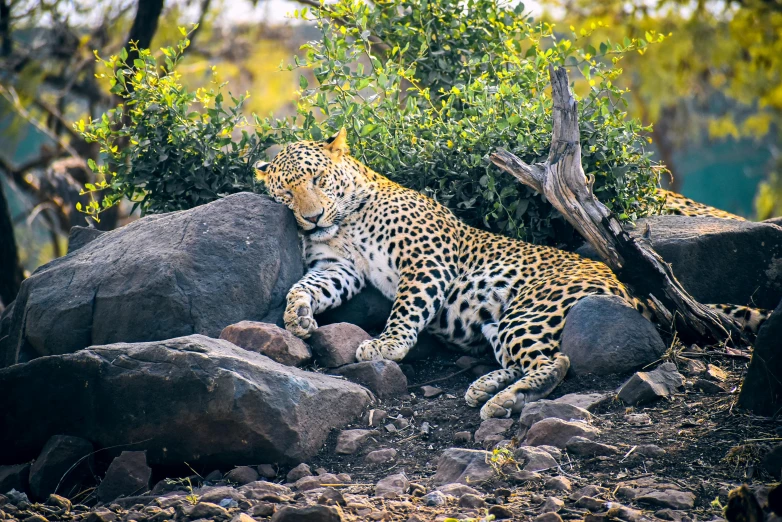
(318, 181)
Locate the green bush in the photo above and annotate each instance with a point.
(426, 91)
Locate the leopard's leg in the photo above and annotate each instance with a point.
(326, 285)
(419, 296)
(749, 319)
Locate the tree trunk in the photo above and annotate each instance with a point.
(144, 25)
(561, 179)
(11, 274)
(761, 391)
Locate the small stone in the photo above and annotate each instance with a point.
(375, 418)
(308, 483)
(242, 517)
(587, 491)
(400, 423)
(534, 412)
(242, 475)
(694, 367)
(668, 498)
(584, 447)
(645, 387)
(314, 513)
(649, 450)
(263, 509)
(262, 490)
(344, 478)
(534, 459)
(406, 411)
(586, 401)
(380, 456)
(669, 514)
(457, 490)
(392, 486)
(430, 392)
(434, 499)
(462, 436)
(330, 497)
(349, 441)
(492, 441)
(383, 377)
(500, 512)
(471, 501)
(128, 475)
(626, 493)
(503, 492)
(557, 432)
(523, 476)
(591, 503)
(463, 465)
(708, 387)
(559, 483)
(205, 510)
(299, 472)
(552, 505)
(335, 345)
(638, 419)
(716, 373)
(548, 517)
(101, 515)
(379, 514)
(267, 471)
(36, 518)
(465, 362)
(492, 427)
(390, 428)
(270, 340)
(216, 495)
(60, 503)
(212, 476)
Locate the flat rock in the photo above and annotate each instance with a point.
(669, 498)
(645, 387)
(205, 510)
(559, 483)
(491, 427)
(349, 441)
(61, 454)
(128, 475)
(384, 378)
(261, 490)
(534, 459)
(336, 344)
(161, 277)
(463, 466)
(242, 475)
(235, 406)
(309, 483)
(270, 340)
(584, 447)
(314, 513)
(708, 387)
(552, 505)
(545, 409)
(603, 335)
(557, 432)
(718, 260)
(586, 401)
(430, 392)
(392, 486)
(300, 471)
(380, 456)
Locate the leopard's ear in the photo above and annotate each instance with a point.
(261, 170)
(337, 145)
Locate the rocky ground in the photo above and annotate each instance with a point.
(420, 456)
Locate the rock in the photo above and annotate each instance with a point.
(772, 462)
(463, 466)
(80, 236)
(331, 497)
(335, 345)
(584, 447)
(270, 340)
(384, 378)
(492, 427)
(431, 392)
(242, 475)
(761, 390)
(15, 477)
(559, 483)
(603, 335)
(375, 417)
(471, 501)
(435, 498)
(261, 490)
(718, 260)
(258, 410)
(392, 486)
(548, 517)
(649, 450)
(308, 483)
(645, 387)
(160, 277)
(205, 510)
(534, 459)
(128, 475)
(242, 517)
(349, 441)
(465, 362)
(267, 471)
(545, 409)
(213, 476)
(299, 472)
(500, 512)
(591, 503)
(638, 419)
(669, 498)
(380, 456)
(708, 387)
(368, 310)
(715, 373)
(462, 436)
(586, 401)
(263, 509)
(457, 490)
(587, 491)
(217, 495)
(557, 432)
(63, 458)
(552, 505)
(694, 367)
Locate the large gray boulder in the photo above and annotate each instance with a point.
(603, 335)
(192, 399)
(162, 276)
(718, 260)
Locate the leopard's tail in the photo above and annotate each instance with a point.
(749, 319)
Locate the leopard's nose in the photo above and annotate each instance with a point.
(314, 219)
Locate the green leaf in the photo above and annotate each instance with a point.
(303, 83)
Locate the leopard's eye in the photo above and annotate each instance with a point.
(316, 179)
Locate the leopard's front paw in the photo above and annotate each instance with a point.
(377, 349)
(503, 405)
(298, 319)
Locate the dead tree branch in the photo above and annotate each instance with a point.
(562, 180)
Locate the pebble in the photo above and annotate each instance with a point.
(435, 498)
(638, 419)
(668, 498)
(299, 472)
(548, 517)
(557, 432)
(708, 387)
(392, 486)
(716, 373)
(500, 512)
(591, 503)
(552, 505)
(471, 501)
(650, 450)
(491, 427)
(645, 387)
(584, 447)
(242, 475)
(205, 510)
(559, 483)
(349, 441)
(380, 456)
(267, 471)
(462, 436)
(457, 490)
(331, 496)
(315, 513)
(242, 517)
(375, 418)
(431, 392)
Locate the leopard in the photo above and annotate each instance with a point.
(678, 205)
(474, 289)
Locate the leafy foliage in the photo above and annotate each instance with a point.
(426, 91)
